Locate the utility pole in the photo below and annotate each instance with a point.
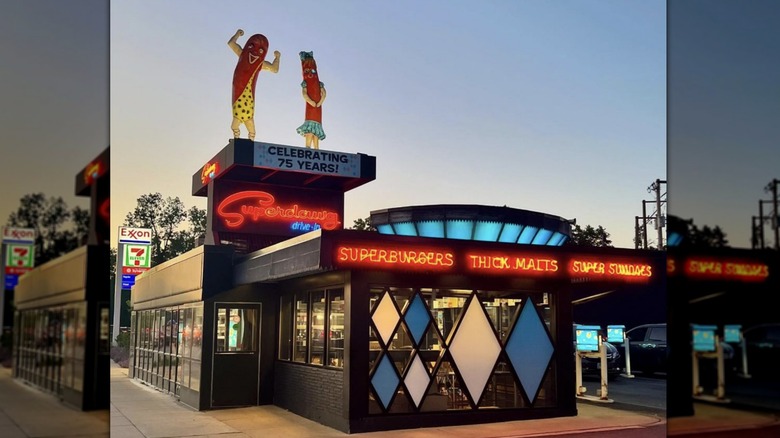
(644, 224)
(772, 187)
(659, 218)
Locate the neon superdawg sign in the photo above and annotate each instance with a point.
(258, 206)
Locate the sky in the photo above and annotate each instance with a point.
(551, 106)
(54, 97)
(724, 107)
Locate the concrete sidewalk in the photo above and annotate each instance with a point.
(139, 411)
(27, 412)
(723, 421)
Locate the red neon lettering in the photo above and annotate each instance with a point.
(264, 208)
(92, 172)
(390, 257)
(209, 172)
(600, 268)
(503, 263)
(105, 209)
(727, 269)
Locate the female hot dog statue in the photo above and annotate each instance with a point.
(314, 94)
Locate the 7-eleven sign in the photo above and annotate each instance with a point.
(136, 256)
(19, 256)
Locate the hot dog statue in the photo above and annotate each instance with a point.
(314, 94)
(251, 60)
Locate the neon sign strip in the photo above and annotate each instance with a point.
(264, 208)
(490, 263)
(731, 269)
(416, 258)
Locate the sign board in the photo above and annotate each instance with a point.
(11, 281)
(136, 256)
(307, 160)
(18, 235)
(19, 257)
(142, 236)
(128, 281)
(616, 333)
(732, 333)
(704, 338)
(264, 209)
(587, 337)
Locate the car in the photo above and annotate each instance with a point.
(648, 349)
(649, 353)
(763, 350)
(591, 366)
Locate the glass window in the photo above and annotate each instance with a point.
(336, 331)
(221, 344)
(197, 332)
(318, 327)
(301, 325)
(236, 330)
(285, 327)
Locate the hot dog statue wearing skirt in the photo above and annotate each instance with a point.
(251, 60)
(314, 94)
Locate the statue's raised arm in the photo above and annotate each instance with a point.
(233, 44)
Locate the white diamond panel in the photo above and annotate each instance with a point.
(385, 318)
(417, 380)
(475, 349)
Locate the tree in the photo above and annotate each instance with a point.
(58, 229)
(590, 236)
(363, 225)
(166, 217)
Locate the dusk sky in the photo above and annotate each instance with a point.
(550, 106)
(54, 88)
(724, 108)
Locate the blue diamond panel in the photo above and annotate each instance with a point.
(417, 318)
(529, 349)
(385, 381)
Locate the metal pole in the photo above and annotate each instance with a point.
(644, 224)
(775, 223)
(761, 222)
(603, 361)
(117, 291)
(636, 233)
(2, 295)
(696, 388)
(578, 371)
(721, 391)
(658, 213)
(627, 346)
(743, 347)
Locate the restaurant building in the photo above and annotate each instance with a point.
(61, 340)
(447, 314)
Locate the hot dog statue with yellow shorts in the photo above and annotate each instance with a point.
(251, 60)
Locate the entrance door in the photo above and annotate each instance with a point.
(236, 355)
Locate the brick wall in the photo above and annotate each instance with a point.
(311, 392)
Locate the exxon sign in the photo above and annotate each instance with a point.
(135, 235)
(18, 235)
